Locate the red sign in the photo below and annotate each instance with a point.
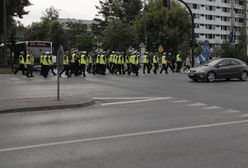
(39, 44)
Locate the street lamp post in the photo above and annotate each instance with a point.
(192, 32)
(5, 32)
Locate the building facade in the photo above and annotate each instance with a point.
(218, 20)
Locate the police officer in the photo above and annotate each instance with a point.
(164, 64)
(145, 63)
(21, 63)
(179, 62)
(155, 63)
(45, 65)
(65, 65)
(102, 64)
(50, 62)
(83, 63)
(29, 63)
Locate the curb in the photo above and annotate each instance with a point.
(85, 103)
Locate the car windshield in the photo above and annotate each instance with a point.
(212, 63)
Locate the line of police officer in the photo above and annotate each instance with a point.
(117, 63)
(27, 60)
(46, 62)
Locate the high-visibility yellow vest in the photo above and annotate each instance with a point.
(21, 59)
(133, 61)
(127, 60)
(41, 59)
(115, 59)
(164, 59)
(73, 58)
(45, 60)
(111, 58)
(66, 60)
(50, 60)
(102, 59)
(119, 59)
(145, 60)
(82, 60)
(155, 59)
(178, 59)
(28, 60)
(90, 59)
(98, 59)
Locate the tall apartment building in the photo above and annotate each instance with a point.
(216, 19)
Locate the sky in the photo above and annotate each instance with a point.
(78, 9)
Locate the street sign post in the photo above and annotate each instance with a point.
(59, 60)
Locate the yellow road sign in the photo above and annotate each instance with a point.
(160, 49)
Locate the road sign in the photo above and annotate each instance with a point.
(160, 49)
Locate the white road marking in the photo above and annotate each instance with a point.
(122, 136)
(124, 98)
(231, 111)
(212, 108)
(136, 101)
(181, 101)
(196, 104)
(245, 115)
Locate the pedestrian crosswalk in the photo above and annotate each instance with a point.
(200, 106)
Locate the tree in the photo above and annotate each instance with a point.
(116, 36)
(236, 51)
(14, 9)
(124, 10)
(73, 30)
(48, 29)
(85, 41)
(167, 26)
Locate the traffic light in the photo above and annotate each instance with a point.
(166, 3)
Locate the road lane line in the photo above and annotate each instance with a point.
(245, 115)
(231, 111)
(212, 108)
(196, 104)
(122, 136)
(123, 98)
(135, 101)
(181, 101)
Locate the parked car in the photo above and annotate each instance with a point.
(222, 68)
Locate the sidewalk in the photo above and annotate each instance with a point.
(44, 103)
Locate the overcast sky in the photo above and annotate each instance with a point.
(79, 9)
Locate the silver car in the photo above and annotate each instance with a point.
(222, 68)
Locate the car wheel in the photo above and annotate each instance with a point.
(195, 80)
(243, 76)
(211, 77)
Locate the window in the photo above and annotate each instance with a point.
(235, 62)
(224, 63)
(195, 6)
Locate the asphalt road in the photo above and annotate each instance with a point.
(138, 122)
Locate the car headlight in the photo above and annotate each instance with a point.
(200, 71)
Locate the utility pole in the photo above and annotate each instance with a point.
(4, 33)
(145, 26)
(192, 33)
